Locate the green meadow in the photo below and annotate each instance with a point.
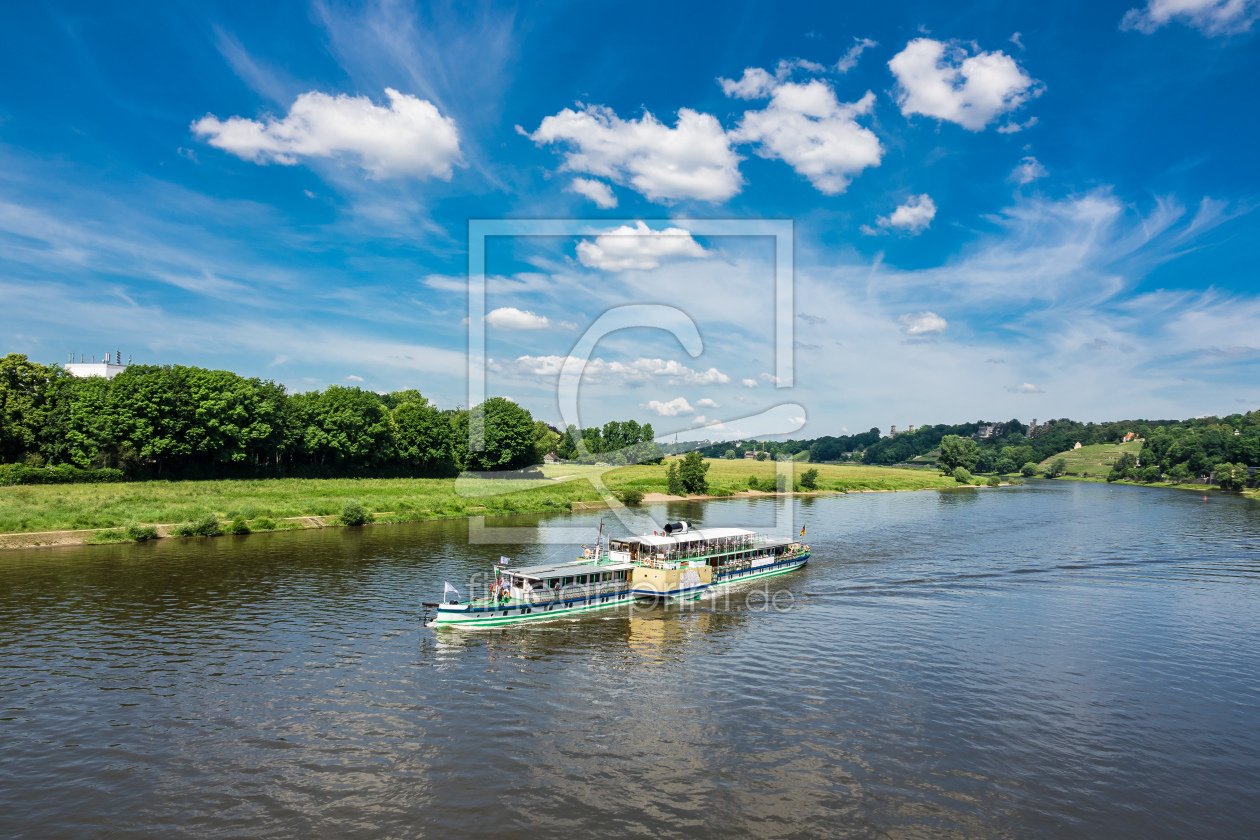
(63, 507)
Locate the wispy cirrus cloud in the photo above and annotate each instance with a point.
(1211, 17)
(636, 371)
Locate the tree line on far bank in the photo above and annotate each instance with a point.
(1178, 449)
(182, 422)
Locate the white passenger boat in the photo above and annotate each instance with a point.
(678, 564)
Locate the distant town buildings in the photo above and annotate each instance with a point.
(750, 454)
(911, 428)
(988, 430)
(892, 432)
(105, 367)
(1032, 428)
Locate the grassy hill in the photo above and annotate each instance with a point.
(1097, 459)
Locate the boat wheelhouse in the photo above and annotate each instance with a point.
(716, 555)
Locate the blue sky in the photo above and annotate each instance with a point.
(998, 211)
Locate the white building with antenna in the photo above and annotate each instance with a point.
(106, 367)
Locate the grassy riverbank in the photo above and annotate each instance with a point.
(1202, 488)
(82, 507)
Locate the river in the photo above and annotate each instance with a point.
(1054, 660)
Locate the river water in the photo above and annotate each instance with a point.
(1054, 660)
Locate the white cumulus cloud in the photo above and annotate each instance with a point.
(754, 84)
(639, 247)
(748, 383)
(706, 403)
(808, 128)
(694, 160)
(922, 323)
(409, 137)
(511, 318)
(673, 408)
(939, 80)
(1029, 170)
(913, 216)
(1211, 17)
(596, 191)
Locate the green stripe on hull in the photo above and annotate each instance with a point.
(515, 619)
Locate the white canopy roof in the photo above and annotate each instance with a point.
(554, 570)
(688, 536)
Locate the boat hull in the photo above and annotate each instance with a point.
(759, 572)
(519, 613)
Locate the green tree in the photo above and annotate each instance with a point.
(423, 437)
(958, 452)
(761, 456)
(567, 448)
(546, 439)
(1230, 476)
(1150, 474)
(508, 435)
(1005, 466)
(962, 476)
(396, 398)
(1056, 468)
(673, 481)
(1179, 474)
(342, 427)
(1028, 470)
(730, 455)
(24, 392)
(1019, 454)
(692, 472)
(809, 479)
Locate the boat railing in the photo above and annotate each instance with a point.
(575, 592)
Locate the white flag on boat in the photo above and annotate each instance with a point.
(503, 561)
(448, 590)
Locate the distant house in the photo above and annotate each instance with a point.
(750, 455)
(1131, 436)
(550, 458)
(1078, 445)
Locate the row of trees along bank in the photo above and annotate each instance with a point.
(187, 422)
(1180, 449)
